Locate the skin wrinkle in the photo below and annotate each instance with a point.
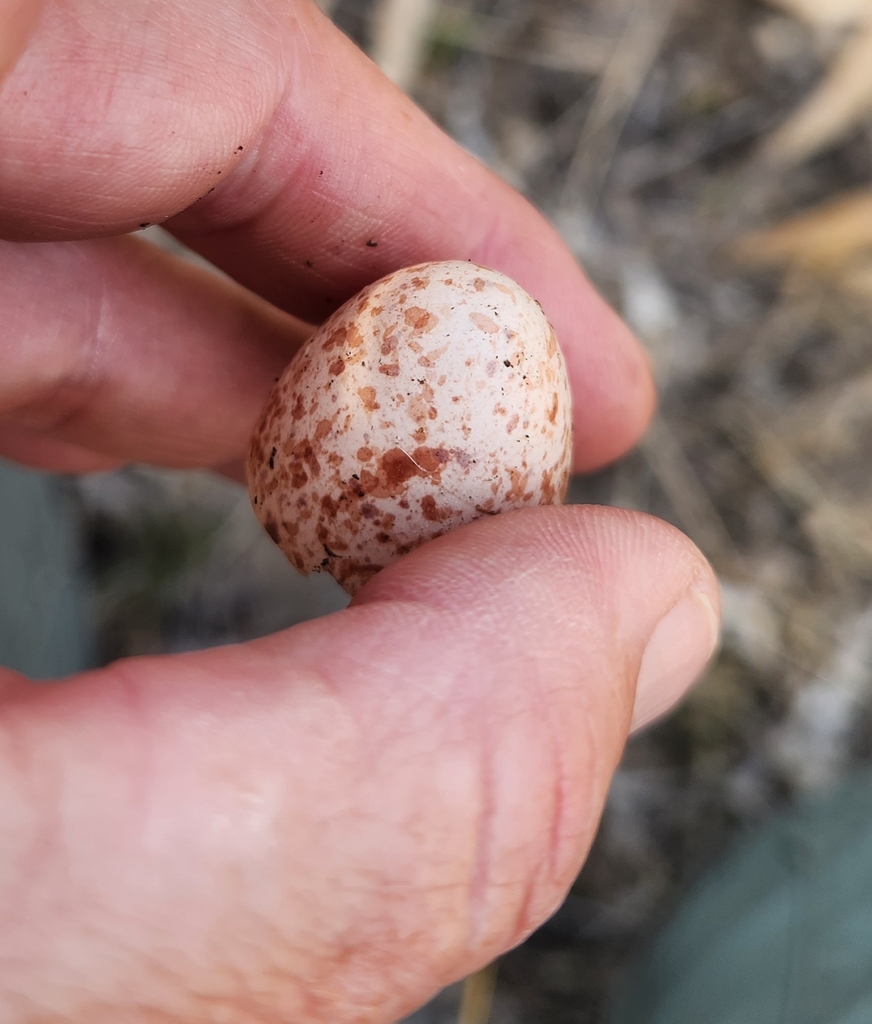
(78, 380)
(56, 841)
(273, 977)
(43, 836)
(171, 92)
(480, 883)
(599, 767)
(243, 995)
(560, 804)
(177, 976)
(103, 918)
(545, 876)
(46, 350)
(489, 240)
(240, 181)
(129, 691)
(16, 767)
(414, 890)
(425, 613)
(83, 380)
(522, 926)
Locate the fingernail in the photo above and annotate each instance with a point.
(680, 647)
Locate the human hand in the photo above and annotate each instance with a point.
(330, 824)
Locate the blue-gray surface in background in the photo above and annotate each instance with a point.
(779, 933)
(46, 621)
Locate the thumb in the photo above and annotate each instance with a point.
(17, 20)
(330, 824)
(639, 579)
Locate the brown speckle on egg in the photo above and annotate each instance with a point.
(468, 370)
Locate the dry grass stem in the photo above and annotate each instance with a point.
(616, 94)
(691, 501)
(553, 46)
(838, 528)
(821, 239)
(399, 38)
(827, 13)
(478, 996)
(837, 105)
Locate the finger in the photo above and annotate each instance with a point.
(17, 21)
(34, 449)
(303, 172)
(113, 350)
(329, 824)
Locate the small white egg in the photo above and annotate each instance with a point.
(434, 397)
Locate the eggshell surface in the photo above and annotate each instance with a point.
(434, 397)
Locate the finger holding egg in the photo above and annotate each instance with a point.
(434, 397)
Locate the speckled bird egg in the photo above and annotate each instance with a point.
(434, 397)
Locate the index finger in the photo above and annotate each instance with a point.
(270, 144)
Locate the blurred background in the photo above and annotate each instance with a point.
(707, 161)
